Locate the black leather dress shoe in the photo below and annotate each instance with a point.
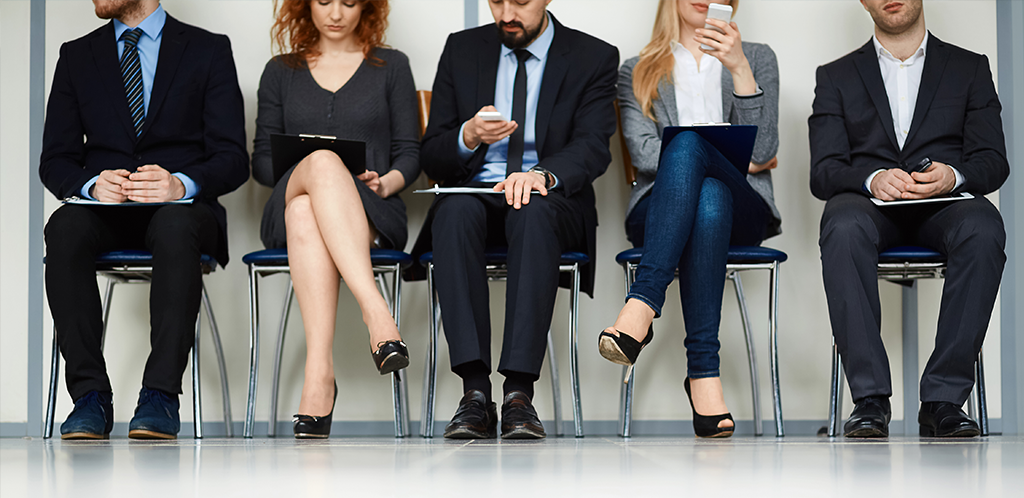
(519, 419)
(943, 419)
(870, 418)
(475, 419)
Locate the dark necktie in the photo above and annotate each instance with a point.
(131, 72)
(514, 161)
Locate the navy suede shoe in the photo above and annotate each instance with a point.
(92, 418)
(156, 417)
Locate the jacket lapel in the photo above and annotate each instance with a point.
(172, 46)
(667, 101)
(554, 73)
(867, 66)
(104, 52)
(487, 65)
(727, 91)
(934, 65)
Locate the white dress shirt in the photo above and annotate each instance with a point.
(698, 88)
(902, 81)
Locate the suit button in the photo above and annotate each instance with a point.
(138, 157)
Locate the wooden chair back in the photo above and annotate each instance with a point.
(627, 161)
(423, 102)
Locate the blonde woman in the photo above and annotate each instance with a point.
(690, 204)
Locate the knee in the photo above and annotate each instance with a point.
(979, 236)
(684, 154)
(299, 219)
(538, 217)
(323, 162)
(70, 228)
(844, 228)
(455, 214)
(173, 226)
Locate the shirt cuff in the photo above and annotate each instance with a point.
(959, 177)
(191, 189)
(758, 93)
(555, 178)
(88, 186)
(867, 183)
(465, 152)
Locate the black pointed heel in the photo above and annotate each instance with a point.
(311, 427)
(390, 356)
(623, 349)
(707, 425)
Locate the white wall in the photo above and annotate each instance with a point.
(814, 33)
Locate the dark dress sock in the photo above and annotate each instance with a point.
(519, 381)
(475, 375)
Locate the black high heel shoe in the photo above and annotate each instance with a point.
(623, 349)
(707, 425)
(311, 427)
(390, 356)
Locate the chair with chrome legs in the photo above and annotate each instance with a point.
(904, 265)
(497, 270)
(130, 267)
(271, 261)
(741, 258)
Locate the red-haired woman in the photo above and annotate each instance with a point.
(335, 77)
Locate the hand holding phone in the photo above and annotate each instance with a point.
(720, 12)
(921, 166)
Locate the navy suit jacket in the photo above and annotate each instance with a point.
(956, 121)
(575, 116)
(195, 124)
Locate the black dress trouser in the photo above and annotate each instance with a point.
(177, 235)
(970, 233)
(536, 235)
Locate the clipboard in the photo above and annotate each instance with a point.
(962, 196)
(89, 202)
(735, 142)
(437, 190)
(287, 150)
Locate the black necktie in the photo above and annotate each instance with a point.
(514, 161)
(131, 72)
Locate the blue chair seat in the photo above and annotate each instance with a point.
(280, 257)
(910, 253)
(737, 254)
(499, 255)
(133, 256)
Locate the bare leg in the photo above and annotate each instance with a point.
(634, 320)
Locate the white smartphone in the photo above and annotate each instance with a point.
(718, 11)
(491, 116)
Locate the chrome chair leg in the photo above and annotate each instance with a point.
(626, 389)
(219, 350)
(430, 365)
(197, 396)
(399, 393)
(835, 398)
(108, 297)
(773, 354)
(979, 381)
(574, 352)
(755, 383)
(51, 398)
(254, 352)
(556, 390)
(278, 353)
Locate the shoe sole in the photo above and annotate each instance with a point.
(463, 433)
(957, 433)
(393, 363)
(866, 432)
(716, 435)
(523, 433)
(309, 435)
(144, 434)
(610, 351)
(73, 436)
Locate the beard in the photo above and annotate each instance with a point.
(521, 39)
(116, 9)
(895, 25)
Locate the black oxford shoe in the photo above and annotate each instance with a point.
(943, 419)
(519, 419)
(476, 418)
(870, 418)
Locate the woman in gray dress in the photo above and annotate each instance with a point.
(689, 203)
(336, 78)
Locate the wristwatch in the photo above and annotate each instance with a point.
(549, 179)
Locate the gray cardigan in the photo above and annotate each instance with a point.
(643, 136)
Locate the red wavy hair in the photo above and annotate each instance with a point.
(296, 37)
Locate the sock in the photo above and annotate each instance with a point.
(519, 381)
(475, 375)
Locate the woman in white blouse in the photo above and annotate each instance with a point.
(689, 204)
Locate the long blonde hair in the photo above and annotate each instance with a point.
(656, 59)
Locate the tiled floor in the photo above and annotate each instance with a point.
(593, 466)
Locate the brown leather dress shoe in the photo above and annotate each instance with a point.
(943, 419)
(519, 419)
(475, 418)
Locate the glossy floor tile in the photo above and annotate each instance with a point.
(592, 466)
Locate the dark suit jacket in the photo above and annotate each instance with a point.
(195, 124)
(956, 121)
(575, 116)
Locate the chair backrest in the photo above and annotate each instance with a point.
(423, 101)
(627, 161)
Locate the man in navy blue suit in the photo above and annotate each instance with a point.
(143, 110)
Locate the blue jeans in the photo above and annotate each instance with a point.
(698, 205)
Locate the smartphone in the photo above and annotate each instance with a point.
(920, 166)
(491, 116)
(717, 11)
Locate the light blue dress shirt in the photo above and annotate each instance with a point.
(149, 52)
(494, 162)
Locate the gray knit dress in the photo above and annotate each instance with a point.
(377, 106)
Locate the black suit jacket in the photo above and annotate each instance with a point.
(575, 116)
(956, 121)
(195, 124)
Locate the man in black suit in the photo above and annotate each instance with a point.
(144, 109)
(554, 88)
(903, 97)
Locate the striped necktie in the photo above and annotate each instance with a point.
(131, 72)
